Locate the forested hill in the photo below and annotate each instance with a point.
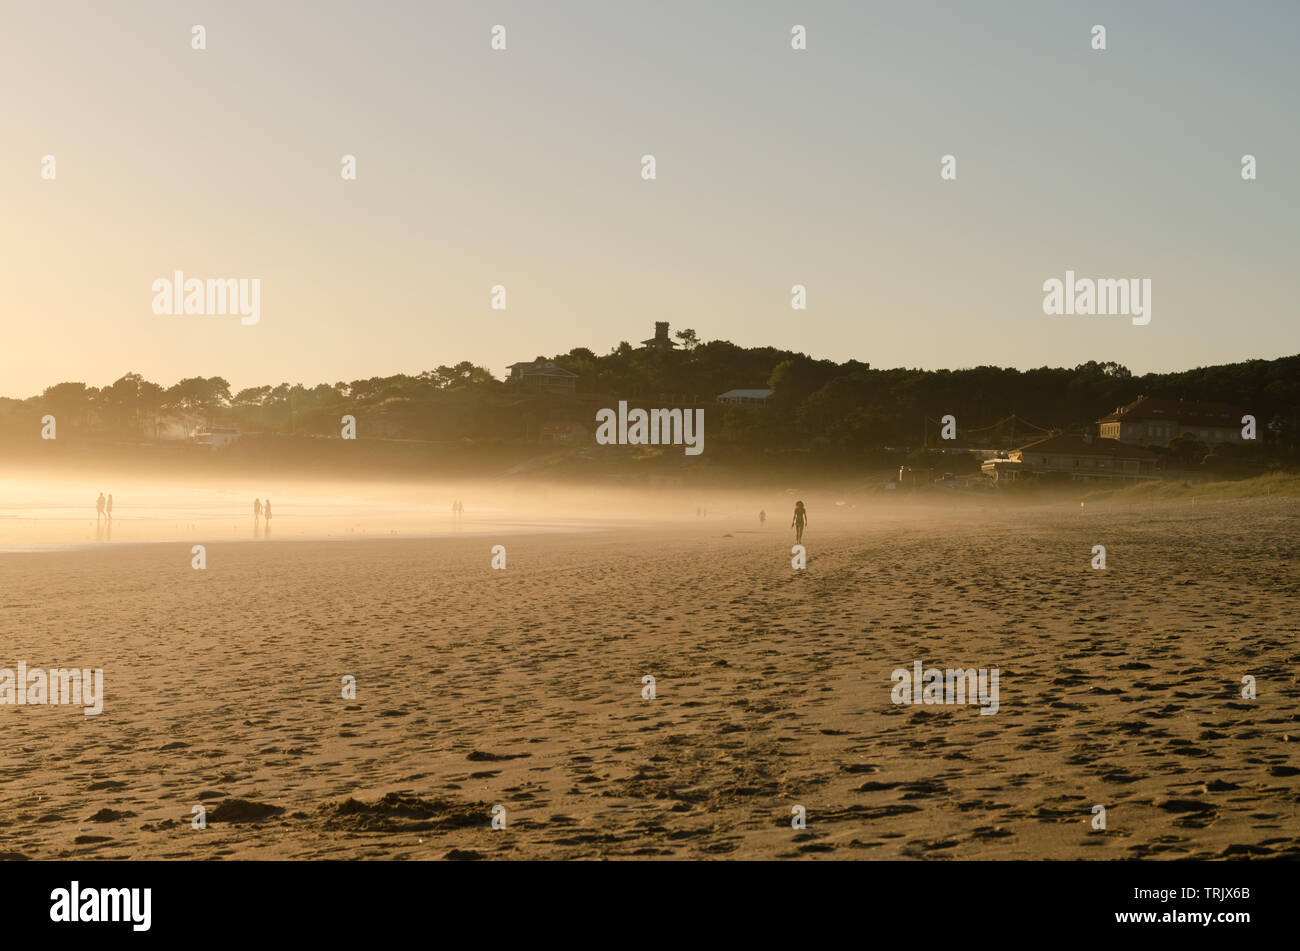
(837, 412)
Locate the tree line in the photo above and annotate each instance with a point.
(833, 412)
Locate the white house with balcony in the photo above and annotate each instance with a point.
(214, 437)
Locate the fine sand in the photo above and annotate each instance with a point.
(522, 688)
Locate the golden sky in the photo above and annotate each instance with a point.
(522, 167)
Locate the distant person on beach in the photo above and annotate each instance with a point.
(257, 508)
(99, 507)
(799, 521)
(762, 517)
(108, 507)
(266, 510)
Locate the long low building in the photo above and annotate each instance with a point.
(1080, 458)
(746, 397)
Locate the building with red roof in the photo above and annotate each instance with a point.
(1149, 422)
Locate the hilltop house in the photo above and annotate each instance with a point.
(1148, 422)
(1076, 458)
(660, 341)
(543, 375)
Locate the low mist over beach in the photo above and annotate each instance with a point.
(61, 512)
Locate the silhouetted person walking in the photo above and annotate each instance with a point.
(266, 510)
(108, 507)
(99, 507)
(798, 522)
(762, 517)
(257, 509)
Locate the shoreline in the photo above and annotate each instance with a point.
(61, 548)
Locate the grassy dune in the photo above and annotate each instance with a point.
(1275, 483)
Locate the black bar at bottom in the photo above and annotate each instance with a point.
(1222, 901)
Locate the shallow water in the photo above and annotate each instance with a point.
(50, 518)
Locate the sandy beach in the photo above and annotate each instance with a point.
(523, 688)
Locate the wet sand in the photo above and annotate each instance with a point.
(522, 688)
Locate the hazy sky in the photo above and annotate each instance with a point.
(522, 168)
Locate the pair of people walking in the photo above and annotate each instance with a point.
(260, 510)
(104, 507)
(797, 523)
